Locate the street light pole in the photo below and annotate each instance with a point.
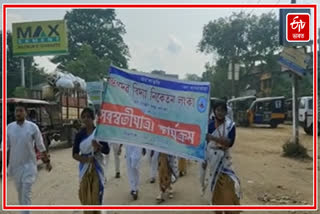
(295, 108)
(232, 74)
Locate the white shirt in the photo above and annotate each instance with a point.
(20, 141)
(133, 156)
(133, 152)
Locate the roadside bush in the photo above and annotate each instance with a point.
(21, 92)
(295, 150)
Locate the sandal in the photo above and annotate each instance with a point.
(171, 194)
(160, 198)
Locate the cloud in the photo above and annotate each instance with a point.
(150, 56)
(12, 18)
(174, 46)
(155, 58)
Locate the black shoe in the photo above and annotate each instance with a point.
(134, 195)
(152, 180)
(117, 175)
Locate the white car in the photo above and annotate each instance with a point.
(306, 114)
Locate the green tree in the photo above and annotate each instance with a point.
(193, 77)
(88, 66)
(239, 39)
(306, 86)
(281, 85)
(208, 75)
(14, 66)
(38, 76)
(216, 75)
(14, 69)
(227, 37)
(98, 28)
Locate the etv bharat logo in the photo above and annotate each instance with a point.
(298, 27)
(40, 34)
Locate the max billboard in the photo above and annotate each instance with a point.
(39, 38)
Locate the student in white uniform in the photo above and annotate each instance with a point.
(22, 137)
(153, 158)
(116, 153)
(133, 157)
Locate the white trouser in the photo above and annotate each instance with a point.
(24, 177)
(24, 194)
(115, 148)
(153, 164)
(202, 174)
(133, 173)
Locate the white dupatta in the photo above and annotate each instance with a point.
(86, 149)
(218, 161)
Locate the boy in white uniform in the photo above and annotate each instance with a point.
(116, 153)
(22, 137)
(133, 157)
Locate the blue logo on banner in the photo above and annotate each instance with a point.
(202, 104)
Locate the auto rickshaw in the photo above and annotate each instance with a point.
(37, 112)
(240, 106)
(288, 109)
(269, 110)
(49, 116)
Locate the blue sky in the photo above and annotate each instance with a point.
(163, 39)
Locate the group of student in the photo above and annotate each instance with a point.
(90, 154)
(219, 182)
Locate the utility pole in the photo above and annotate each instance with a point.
(31, 80)
(233, 75)
(295, 108)
(231, 68)
(233, 95)
(23, 82)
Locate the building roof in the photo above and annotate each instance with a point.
(26, 101)
(242, 98)
(269, 98)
